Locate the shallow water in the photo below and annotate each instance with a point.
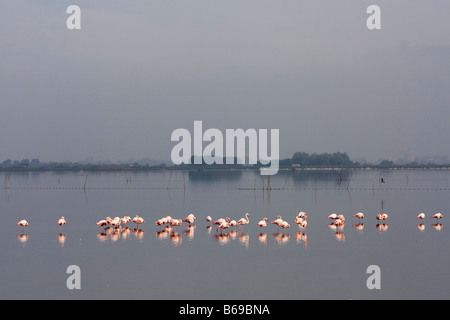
(317, 262)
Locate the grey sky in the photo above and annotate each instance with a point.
(137, 70)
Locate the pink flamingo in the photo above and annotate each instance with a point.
(23, 223)
(359, 215)
(421, 216)
(301, 222)
(243, 221)
(437, 216)
(285, 225)
(233, 223)
(61, 222)
(332, 216)
(102, 223)
(223, 225)
(190, 219)
(138, 220)
(383, 216)
(263, 223)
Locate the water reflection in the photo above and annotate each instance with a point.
(382, 227)
(359, 227)
(23, 238)
(115, 234)
(61, 239)
(437, 226)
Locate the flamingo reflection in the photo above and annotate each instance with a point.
(61, 239)
(301, 237)
(437, 226)
(23, 238)
(262, 238)
(281, 238)
(359, 226)
(382, 227)
(421, 226)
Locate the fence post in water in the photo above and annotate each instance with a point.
(85, 181)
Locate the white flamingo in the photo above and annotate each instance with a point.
(23, 223)
(359, 215)
(421, 216)
(437, 216)
(138, 220)
(243, 221)
(263, 223)
(190, 218)
(332, 216)
(383, 216)
(61, 222)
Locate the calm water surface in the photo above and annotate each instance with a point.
(317, 262)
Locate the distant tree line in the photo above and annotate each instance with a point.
(303, 159)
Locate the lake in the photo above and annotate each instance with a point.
(201, 262)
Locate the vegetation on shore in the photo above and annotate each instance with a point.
(300, 160)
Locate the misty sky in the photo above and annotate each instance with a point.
(137, 70)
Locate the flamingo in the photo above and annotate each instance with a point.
(437, 216)
(125, 220)
(383, 216)
(285, 225)
(190, 219)
(359, 215)
(243, 221)
(338, 222)
(208, 219)
(332, 216)
(301, 214)
(223, 225)
(421, 216)
(232, 223)
(301, 222)
(263, 223)
(102, 223)
(115, 222)
(341, 216)
(277, 221)
(23, 223)
(138, 220)
(61, 222)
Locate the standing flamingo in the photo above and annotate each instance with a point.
(332, 216)
(437, 216)
(383, 216)
(23, 223)
(208, 219)
(421, 216)
(233, 223)
(190, 218)
(102, 223)
(285, 225)
(223, 225)
(138, 220)
(278, 222)
(61, 222)
(243, 221)
(359, 215)
(263, 223)
(301, 222)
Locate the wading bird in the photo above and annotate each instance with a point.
(23, 223)
(61, 222)
(359, 215)
(263, 223)
(437, 216)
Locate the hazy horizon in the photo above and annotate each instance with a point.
(137, 70)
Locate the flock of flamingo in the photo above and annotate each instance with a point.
(168, 223)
